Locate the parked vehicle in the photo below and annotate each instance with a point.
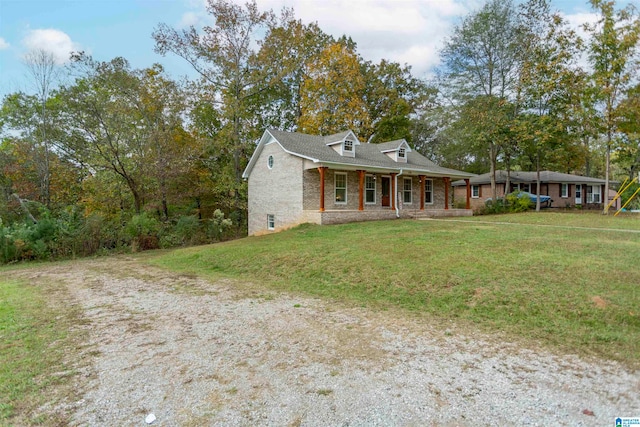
(545, 201)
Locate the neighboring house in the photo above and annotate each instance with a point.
(295, 178)
(566, 190)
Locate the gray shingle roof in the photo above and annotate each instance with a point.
(530, 177)
(314, 147)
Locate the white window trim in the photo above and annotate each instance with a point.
(271, 222)
(477, 196)
(335, 188)
(374, 190)
(404, 191)
(590, 194)
(425, 190)
(564, 190)
(270, 162)
(348, 145)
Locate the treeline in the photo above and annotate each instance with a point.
(103, 156)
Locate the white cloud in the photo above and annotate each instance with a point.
(3, 44)
(577, 21)
(188, 19)
(404, 31)
(53, 41)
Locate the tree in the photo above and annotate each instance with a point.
(549, 51)
(392, 95)
(44, 71)
(332, 95)
(161, 104)
(125, 122)
(480, 66)
(628, 155)
(225, 57)
(613, 44)
(299, 46)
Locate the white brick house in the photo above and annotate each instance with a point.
(295, 178)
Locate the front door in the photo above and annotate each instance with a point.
(386, 191)
(578, 194)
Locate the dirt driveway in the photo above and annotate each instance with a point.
(198, 353)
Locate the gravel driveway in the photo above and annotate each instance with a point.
(198, 353)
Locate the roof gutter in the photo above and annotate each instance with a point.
(396, 195)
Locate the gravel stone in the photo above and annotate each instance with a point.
(194, 352)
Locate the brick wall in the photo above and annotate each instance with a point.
(276, 191)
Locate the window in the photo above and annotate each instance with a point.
(341, 187)
(406, 191)
(348, 145)
(271, 222)
(270, 162)
(593, 194)
(370, 189)
(428, 191)
(564, 190)
(475, 191)
(402, 153)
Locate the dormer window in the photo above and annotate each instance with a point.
(402, 153)
(343, 143)
(348, 145)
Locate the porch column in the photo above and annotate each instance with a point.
(322, 169)
(422, 189)
(466, 181)
(361, 190)
(447, 183)
(393, 191)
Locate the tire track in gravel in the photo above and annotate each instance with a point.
(195, 353)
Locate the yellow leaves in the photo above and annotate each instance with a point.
(332, 94)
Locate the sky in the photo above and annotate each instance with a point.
(405, 31)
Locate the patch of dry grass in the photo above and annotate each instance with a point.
(40, 348)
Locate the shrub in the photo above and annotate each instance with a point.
(517, 202)
(142, 229)
(495, 207)
(187, 229)
(219, 226)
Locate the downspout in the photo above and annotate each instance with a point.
(396, 195)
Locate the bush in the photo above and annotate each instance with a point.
(626, 195)
(495, 207)
(219, 226)
(187, 229)
(518, 203)
(142, 229)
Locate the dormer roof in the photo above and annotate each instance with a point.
(387, 147)
(339, 138)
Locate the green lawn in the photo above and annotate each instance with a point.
(540, 278)
(34, 338)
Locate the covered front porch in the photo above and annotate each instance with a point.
(366, 191)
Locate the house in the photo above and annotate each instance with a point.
(295, 178)
(565, 190)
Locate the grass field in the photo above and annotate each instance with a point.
(569, 281)
(35, 337)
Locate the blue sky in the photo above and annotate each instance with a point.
(405, 31)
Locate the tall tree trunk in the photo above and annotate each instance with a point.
(607, 160)
(538, 180)
(493, 153)
(507, 184)
(25, 208)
